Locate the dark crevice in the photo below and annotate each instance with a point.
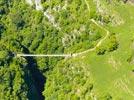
(38, 78)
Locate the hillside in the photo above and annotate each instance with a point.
(66, 49)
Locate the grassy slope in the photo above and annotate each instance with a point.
(111, 72)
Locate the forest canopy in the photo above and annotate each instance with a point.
(92, 32)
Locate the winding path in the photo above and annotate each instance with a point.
(74, 54)
(100, 42)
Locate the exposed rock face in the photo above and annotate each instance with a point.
(125, 1)
(132, 1)
(29, 2)
(38, 5)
